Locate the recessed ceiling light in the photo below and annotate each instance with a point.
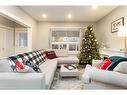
(69, 16)
(44, 15)
(94, 7)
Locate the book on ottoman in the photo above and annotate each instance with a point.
(70, 66)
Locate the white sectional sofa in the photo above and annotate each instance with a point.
(32, 80)
(12, 80)
(94, 78)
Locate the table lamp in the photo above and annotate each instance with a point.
(122, 32)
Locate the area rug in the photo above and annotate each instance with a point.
(72, 83)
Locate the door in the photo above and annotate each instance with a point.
(10, 47)
(2, 42)
(6, 42)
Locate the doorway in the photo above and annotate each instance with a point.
(14, 37)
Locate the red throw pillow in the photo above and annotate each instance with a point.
(19, 65)
(21, 68)
(103, 65)
(50, 54)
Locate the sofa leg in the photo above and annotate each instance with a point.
(61, 77)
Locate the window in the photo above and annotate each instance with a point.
(65, 38)
(23, 39)
(55, 46)
(72, 47)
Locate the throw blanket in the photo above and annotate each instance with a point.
(115, 61)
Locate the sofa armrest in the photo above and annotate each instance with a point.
(85, 79)
(96, 62)
(22, 81)
(108, 77)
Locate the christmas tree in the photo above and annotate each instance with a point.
(89, 48)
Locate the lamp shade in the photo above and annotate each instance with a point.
(122, 31)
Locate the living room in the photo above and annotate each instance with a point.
(38, 30)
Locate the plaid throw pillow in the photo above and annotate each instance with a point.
(32, 65)
(35, 57)
(13, 60)
(41, 57)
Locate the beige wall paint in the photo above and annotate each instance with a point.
(18, 12)
(104, 28)
(42, 40)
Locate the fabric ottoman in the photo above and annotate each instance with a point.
(64, 72)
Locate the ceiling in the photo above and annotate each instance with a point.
(59, 13)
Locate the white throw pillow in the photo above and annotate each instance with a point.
(61, 52)
(121, 67)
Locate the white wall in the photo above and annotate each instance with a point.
(19, 13)
(42, 40)
(104, 28)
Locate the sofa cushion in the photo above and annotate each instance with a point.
(37, 57)
(68, 60)
(121, 67)
(115, 61)
(32, 56)
(20, 65)
(13, 60)
(103, 65)
(95, 62)
(32, 65)
(61, 52)
(25, 61)
(50, 54)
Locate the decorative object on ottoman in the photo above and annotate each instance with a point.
(64, 72)
(89, 47)
(70, 66)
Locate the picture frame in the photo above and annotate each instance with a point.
(115, 24)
